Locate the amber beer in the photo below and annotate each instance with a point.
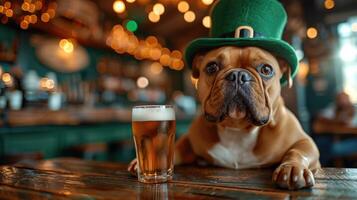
(154, 130)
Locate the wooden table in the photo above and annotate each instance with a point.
(76, 179)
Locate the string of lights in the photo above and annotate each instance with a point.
(159, 8)
(27, 12)
(124, 41)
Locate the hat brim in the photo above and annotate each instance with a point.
(277, 47)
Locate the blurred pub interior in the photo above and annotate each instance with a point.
(72, 69)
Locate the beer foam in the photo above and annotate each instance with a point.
(153, 113)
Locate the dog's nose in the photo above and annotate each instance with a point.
(240, 77)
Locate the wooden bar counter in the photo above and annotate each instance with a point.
(69, 116)
(77, 179)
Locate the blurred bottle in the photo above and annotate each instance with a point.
(31, 83)
(2, 95)
(16, 100)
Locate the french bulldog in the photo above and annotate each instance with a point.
(245, 123)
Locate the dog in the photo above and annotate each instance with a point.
(245, 123)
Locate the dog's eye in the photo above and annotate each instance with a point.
(266, 70)
(212, 68)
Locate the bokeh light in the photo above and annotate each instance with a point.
(159, 9)
(119, 6)
(190, 16)
(66, 45)
(45, 17)
(142, 82)
(154, 17)
(156, 68)
(207, 2)
(329, 4)
(183, 6)
(311, 33)
(206, 21)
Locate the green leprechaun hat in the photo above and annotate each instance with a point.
(258, 23)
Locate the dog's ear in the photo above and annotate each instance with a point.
(196, 65)
(286, 71)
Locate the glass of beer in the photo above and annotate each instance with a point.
(154, 128)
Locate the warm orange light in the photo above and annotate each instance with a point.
(165, 60)
(156, 68)
(1, 9)
(158, 9)
(206, 21)
(62, 43)
(50, 84)
(329, 4)
(207, 2)
(119, 6)
(133, 44)
(190, 16)
(165, 51)
(151, 41)
(38, 5)
(176, 54)
(130, 1)
(154, 17)
(45, 17)
(145, 52)
(311, 33)
(9, 13)
(68, 48)
(142, 82)
(25, 6)
(24, 24)
(303, 71)
(33, 19)
(155, 53)
(32, 8)
(183, 6)
(6, 78)
(66, 45)
(51, 12)
(7, 5)
(47, 84)
(27, 18)
(177, 64)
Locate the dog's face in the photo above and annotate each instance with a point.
(236, 83)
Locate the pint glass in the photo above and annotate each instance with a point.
(154, 130)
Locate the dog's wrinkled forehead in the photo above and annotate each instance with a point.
(239, 57)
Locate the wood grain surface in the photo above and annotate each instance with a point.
(77, 179)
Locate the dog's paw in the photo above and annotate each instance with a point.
(133, 167)
(293, 176)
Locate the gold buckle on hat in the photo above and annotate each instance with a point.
(248, 28)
